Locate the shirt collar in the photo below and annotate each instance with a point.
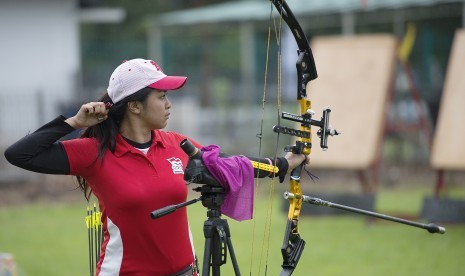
(123, 147)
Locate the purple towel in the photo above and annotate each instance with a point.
(236, 175)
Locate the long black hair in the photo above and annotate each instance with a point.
(105, 132)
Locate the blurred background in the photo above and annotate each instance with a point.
(58, 54)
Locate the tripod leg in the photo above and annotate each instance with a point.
(206, 257)
(216, 254)
(233, 256)
(212, 257)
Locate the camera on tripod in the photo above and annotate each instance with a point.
(196, 171)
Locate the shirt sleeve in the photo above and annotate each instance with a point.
(41, 151)
(82, 154)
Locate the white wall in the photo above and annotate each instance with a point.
(39, 62)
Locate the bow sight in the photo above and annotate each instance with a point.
(307, 120)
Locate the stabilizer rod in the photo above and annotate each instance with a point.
(431, 227)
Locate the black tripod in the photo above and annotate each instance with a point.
(215, 229)
(216, 232)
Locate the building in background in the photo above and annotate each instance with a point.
(40, 53)
(40, 62)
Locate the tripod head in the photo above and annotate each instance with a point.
(212, 198)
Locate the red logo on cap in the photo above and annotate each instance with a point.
(156, 65)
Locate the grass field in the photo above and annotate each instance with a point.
(51, 239)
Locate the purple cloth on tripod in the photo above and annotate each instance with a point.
(236, 175)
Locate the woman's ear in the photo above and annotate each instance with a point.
(134, 107)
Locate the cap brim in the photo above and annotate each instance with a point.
(169, 83)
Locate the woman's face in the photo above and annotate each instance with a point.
(156, 110)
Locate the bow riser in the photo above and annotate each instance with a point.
(305, 107)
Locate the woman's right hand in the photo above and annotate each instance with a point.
(88, 115)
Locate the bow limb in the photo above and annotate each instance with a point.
(308, 69)
(293, 244)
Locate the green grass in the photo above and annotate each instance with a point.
(51, 239)
(45, 239)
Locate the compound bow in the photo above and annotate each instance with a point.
(293, 244)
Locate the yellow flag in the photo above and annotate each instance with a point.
(407, 43)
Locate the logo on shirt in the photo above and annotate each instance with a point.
(176, 165)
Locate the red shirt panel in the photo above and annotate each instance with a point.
(129, 186)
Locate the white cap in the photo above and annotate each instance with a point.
(135, 74)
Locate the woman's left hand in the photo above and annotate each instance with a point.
(295, 160)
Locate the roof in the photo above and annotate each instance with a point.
(237, 11)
